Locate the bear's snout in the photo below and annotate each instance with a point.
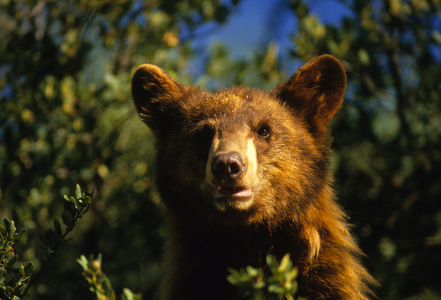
(228, 166)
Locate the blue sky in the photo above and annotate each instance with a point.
(259, 22)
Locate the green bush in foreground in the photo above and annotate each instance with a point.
(16, 279)
(99, 284)
(280, 284)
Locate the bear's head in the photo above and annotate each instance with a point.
(242, 156)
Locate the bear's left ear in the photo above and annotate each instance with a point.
(315, 91)
(157, 97)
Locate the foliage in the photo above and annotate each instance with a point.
(13, 278)
(388, 136)
(67, 118)
(74, 209)
(16, 281)
(99, 283)
(279, 283)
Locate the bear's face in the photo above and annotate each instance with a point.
(239, 143)
(241, 156)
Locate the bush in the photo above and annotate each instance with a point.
(280, 283)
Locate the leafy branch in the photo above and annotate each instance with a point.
(15, 281)
(13, 278)
(53, 238)
(99, 283)
(280, 283)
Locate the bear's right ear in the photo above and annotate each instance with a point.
(157, 97)
(315, 91)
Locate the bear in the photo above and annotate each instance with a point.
(244, 173)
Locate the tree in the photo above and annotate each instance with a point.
(67, 118)
(388, 136)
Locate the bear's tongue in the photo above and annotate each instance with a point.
(239, 192)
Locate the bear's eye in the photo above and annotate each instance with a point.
(202, 141)
(205, 133)
(264, 131)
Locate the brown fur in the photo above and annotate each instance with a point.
(292, 208)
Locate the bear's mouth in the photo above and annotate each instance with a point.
(233, 198)
(237, 192)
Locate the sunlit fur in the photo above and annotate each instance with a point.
(292, 209)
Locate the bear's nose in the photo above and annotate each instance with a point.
(227, 165)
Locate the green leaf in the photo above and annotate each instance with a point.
(83, 262)
(3, 230)
(106, 284)
(270, 260)
(57, 226)
(21, 270)
(10, 228)
(78, 193)
(70, 204)
(292, 275)
(7, 223)
(67, 218)
(73, 201)
(29, 268)
(19, 235)
(284, 264)
(252, 271)
(129, 295)
(87, 200)
(11, 262)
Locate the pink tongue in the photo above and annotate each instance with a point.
(241, 193)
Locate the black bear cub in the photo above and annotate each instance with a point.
(244, 173)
